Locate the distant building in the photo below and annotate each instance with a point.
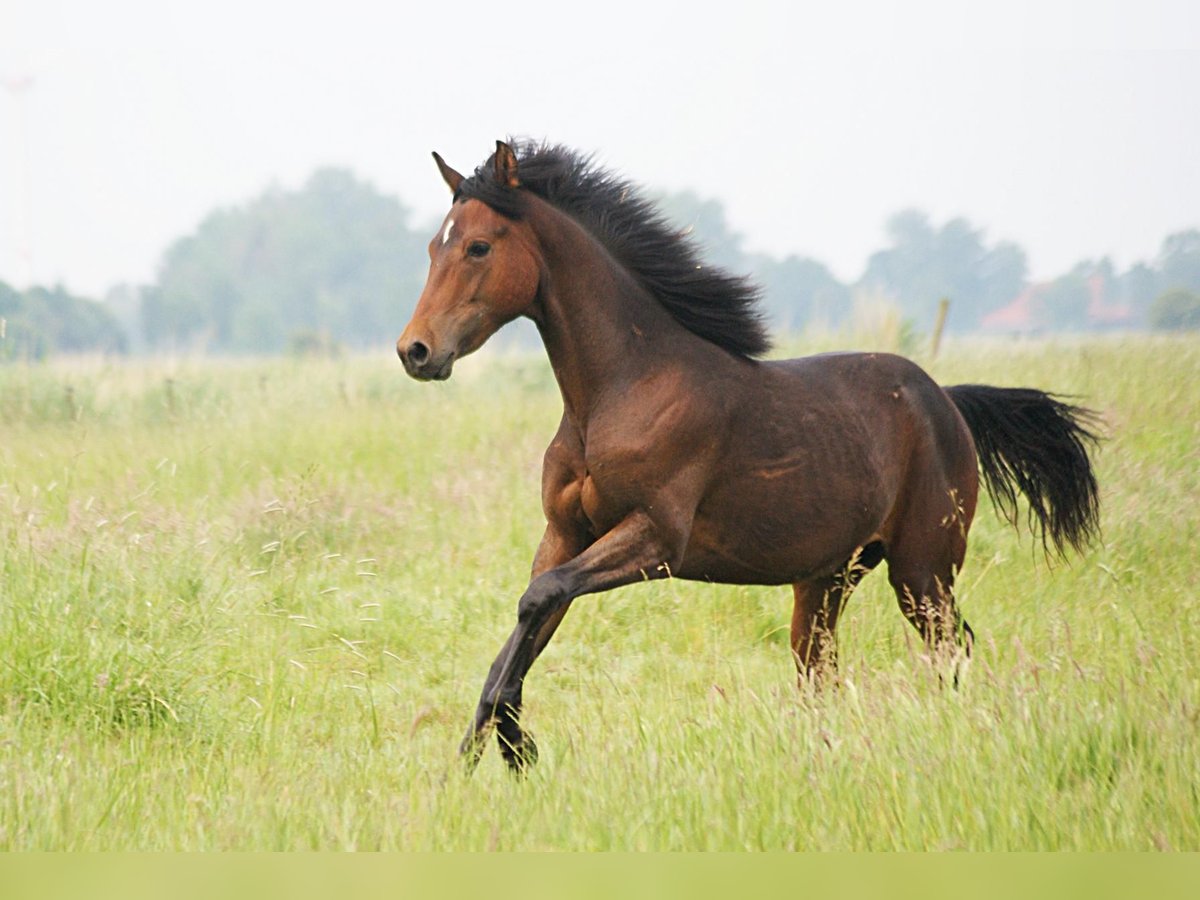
(1021, 314)
(1103, 312)
(1017, 315)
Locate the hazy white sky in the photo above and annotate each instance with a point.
(1072, 128)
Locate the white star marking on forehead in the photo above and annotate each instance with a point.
(446, 233)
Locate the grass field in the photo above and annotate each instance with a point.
(250, 606)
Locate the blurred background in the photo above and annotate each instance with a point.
(254, 177)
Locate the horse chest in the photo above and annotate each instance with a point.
(590, 503)
(607, 495)
(600, 504)
(580, 500)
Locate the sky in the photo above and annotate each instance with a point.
(1072, 128)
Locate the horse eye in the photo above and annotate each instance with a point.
(478, 249)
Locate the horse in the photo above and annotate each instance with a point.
(682, 453)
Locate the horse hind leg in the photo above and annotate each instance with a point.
(818, 603)
(930, 607)
(922, 575)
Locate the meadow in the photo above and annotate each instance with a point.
(250, 605)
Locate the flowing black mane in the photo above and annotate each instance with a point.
(708, 301)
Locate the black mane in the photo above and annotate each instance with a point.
(708, 301)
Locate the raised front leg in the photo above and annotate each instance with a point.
(559, 545)
(635, 550)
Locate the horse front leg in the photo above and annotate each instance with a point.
(513, 741)
(558, 545)
(635, 550)
(516, 746)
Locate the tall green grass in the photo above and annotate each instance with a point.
(250, 605)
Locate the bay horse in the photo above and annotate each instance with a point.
(681, 453)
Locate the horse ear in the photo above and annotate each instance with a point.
(452, 178)
(506, 165)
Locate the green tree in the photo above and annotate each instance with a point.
(1138, 287)
(923, 263)
(1003, 273)
(1063, 304)
(42, 321)
(1179, 261)
(799, 291)
(1176, 310)
(335, 257)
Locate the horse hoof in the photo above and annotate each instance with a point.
(520, 756)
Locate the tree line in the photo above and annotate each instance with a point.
(336, 263)
(41, 321)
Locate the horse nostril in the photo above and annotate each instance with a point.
(418, 353)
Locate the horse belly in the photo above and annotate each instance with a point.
(780, 527)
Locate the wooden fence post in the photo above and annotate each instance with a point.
(943, 311)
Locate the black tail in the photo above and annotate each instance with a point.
(1030, 441)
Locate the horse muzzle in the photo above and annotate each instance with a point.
(422, 363)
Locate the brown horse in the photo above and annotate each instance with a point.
(681, 454)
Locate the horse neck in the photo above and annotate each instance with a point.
(602, 330)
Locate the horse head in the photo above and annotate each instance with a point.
(484, 271)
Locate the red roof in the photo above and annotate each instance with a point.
(1020, 313)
